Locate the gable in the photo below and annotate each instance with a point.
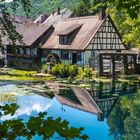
(106, 38)
(84, 28)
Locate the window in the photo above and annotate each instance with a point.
(28, 51)
(64, 55)
(93, 54)
(34, 52)
(67, 35)
(21, 51)
(78, 56)
(63, 40)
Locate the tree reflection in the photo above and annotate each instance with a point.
(124, 120)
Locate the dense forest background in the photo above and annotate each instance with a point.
(47, 6)
(128, 26)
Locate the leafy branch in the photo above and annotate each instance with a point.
(38, 125)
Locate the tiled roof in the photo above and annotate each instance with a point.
(70, 29)
(90, 25)
(30, 32)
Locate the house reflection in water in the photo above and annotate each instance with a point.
(99, 100)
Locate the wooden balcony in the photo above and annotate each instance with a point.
(22, 58)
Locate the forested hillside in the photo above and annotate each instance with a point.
(47, 6)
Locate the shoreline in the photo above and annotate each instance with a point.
(23, 76)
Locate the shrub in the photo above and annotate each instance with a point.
(83, 72)
(73, 70)
(70, 79)
(44, 67)
(86, 71)
(55, 70)
(64, 70)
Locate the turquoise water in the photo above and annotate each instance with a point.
(32, 101)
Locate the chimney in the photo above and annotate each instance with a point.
(102, 13)
(58, 11)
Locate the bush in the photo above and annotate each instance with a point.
(73, 70)
(83, 72)
(64, 70)
(44, 67)
(86, 71)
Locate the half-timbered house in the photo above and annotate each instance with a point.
(62, 37)
(80, 40)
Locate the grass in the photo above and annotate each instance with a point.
(22, 72)
(21, 75)
(16, 78)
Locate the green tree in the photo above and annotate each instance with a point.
(129, 28)
(83, 9)
(132, 7)
(6, 26)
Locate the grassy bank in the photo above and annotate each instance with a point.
(7, 74)
(20, 75)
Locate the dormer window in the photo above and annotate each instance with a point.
(63, 39)
(67, 35)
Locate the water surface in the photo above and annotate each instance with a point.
(106, 111)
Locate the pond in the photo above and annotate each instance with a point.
(106, 111)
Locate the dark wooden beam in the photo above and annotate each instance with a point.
(101, 65)
(113, 65)
(125, 58)
(135, 63)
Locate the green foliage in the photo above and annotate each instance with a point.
(132, 7)
(83, 72)
(9, 109)
(64, 70)
(22, 72)
(47, 6)
(70, 72)
(128, 28)
(38, 125)
(124, 120)
(83, 9)
(73, 71)
(44, 67)
(132, 122)
(9, 30)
